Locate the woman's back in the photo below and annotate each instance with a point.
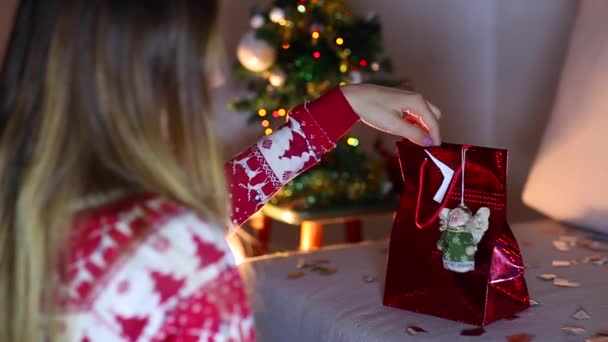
(146, 269)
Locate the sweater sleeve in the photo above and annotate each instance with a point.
(260, 171)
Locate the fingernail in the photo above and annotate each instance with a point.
(428, 141)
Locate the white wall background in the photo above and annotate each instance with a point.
(568, 180)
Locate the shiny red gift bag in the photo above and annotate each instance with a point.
(416, 277)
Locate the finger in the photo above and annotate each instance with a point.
(418, 107)
(434, 109)
(431, 121)
(410, 131)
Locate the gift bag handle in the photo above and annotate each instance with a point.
(433, 217)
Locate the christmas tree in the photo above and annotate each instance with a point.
(296, 51)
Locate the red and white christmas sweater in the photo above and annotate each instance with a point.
(146, 269)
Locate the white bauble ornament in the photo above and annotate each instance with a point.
(255, 54)
(277, 78)
(276, 14)
(257, 21)
(355, 76)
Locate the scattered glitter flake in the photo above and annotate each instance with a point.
(602, 261)
(413, 330)
(512, 317)
(594, 257)
(320, 262)
(565, 283)
(369, 279)
(597, 339)
(598, 246)
(547, 276)
(303, 264)
(317, 268)
(534, 303)
(295, 275)
(520, 338)
(562, 245)
(561, 263)
(580, 315)
(473, 332)
(586, 260)
(328, 271)
(572, 330)
(576, 261)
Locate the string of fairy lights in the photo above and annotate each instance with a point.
(298, 49)
(295, 51)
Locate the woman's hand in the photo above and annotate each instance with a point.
(395, 111)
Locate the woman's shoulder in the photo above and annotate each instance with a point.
(133, 219)
(144, 253)
(143, 229)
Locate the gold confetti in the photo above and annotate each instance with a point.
(413, 330)
(295, 275)
(547, 276)
(369, 279)
(584, 243)
(565, 283)
(576, 261)
(561, 245)
(303, 264)
(602, 261)
(580, 315)
(598, 246)
(571, 330)
(320, 261)
(602, 332)
(561, 263)
(586, 260)
(597, 339)
(328, 271)
(520, 338)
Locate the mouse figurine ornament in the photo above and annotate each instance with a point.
(460, 233)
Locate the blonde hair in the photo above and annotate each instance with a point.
(91, 122)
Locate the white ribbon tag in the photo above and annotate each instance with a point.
(447, 173)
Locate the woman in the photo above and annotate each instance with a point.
(114, 197)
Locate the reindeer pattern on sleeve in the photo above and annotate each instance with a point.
(260, 171)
